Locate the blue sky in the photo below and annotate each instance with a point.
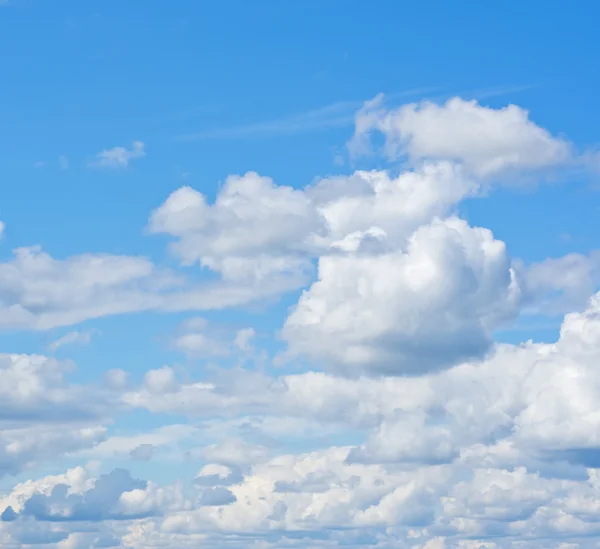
(316, 274)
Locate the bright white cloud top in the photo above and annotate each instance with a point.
(389, 416)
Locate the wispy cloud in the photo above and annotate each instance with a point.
(80, 338)
(118, 157)
(336, 115)
(331, 116)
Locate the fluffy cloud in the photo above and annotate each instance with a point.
(408, 312)
(414, 430)
(486, 141)
(255, 227)
(519, 401)
(42, 415)
(40, 292)
(260, 239)
(97, 503)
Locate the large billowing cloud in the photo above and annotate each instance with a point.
(505, 446)
(407, 425)
(411, 311)
(260, 239)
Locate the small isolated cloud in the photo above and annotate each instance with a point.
(2, 228)
(80, 338)
(119, 157)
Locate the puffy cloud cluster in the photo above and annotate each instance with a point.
(259, 239)
(42, 415)
(403, 286)
(504, 449)
(407, 426)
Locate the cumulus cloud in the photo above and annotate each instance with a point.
(119, 157)
(413, 429)
(533, 397)
(42, 415)
(77, 496)
(253, 228)
(407, 312)
(485, 140)
(259, 239)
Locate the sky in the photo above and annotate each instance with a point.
(301, 275)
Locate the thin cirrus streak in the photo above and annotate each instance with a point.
(336, 115)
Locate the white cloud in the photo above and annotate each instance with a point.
(119, 157)
(407, 312)
(262, 239)
(556, 286)
(70, 338)
(161, 381)
(121, 446)
(243, 339)
(40, 292)
(533, 398)
(42, 415)
(198, 338)
(254, 228)
(487, 141)
(481, 442)
(114, 496)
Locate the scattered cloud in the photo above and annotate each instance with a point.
(119, 157)
(395, 419)
(71, 338)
